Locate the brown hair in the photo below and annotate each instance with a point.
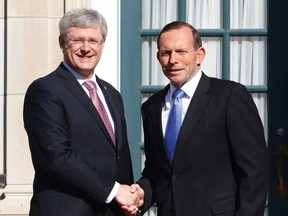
(178, 25)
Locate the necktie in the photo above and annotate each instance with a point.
(174, 123)
(91, 86)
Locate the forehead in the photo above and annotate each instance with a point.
(176, 38)
(85, 32)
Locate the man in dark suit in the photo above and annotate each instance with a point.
(220, 163)
(80, 155)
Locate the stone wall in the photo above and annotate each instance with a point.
(30, 28)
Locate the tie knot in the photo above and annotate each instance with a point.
(179, 93)
(90, 84)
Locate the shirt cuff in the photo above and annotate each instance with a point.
(113, 192)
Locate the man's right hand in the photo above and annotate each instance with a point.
(130, 198)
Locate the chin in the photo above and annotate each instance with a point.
(86, 67)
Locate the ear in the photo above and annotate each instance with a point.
(200, 55)
(102, 45)
(61, 41)
(158, 55)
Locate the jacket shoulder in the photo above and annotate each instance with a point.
(155, 98)
(225, 85)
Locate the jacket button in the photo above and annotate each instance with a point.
(174, 177)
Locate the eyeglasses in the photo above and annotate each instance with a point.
(80, 41)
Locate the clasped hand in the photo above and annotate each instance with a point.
(130, 198)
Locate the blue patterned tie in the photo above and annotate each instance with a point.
(174, 123)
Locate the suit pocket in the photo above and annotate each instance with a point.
(224, 205)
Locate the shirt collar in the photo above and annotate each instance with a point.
(79, 78)
(189, 87)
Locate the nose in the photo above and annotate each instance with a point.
(172, 59)
(85, 46)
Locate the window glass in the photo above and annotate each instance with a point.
(246, 14)
(157, 13)
(212, 64)
(248, 60)
(151, 69)
(204, 13)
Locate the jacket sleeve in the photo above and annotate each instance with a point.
(248, 151)
(53, 156)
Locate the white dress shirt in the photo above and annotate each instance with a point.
(81, 80)
(189, 89)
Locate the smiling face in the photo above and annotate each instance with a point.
(178, 57)
(82, 49)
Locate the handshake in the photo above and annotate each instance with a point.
(130, 198)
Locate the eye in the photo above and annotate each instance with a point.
(95, 42)
(77, 41)
(165, 53)
(181, 52)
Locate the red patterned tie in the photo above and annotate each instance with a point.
(91, 86)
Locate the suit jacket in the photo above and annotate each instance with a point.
(221, 161)
(75, 161)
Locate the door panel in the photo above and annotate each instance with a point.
(278, 109)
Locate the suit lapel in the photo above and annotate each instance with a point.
(197, 105)
(155, 113)
(71, 83)
(156, 122)
(113, 111)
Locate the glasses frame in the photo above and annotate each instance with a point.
(80, 41)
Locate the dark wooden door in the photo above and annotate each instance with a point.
(278, 106)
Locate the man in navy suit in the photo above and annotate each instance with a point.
(80, 168)
(220, 165)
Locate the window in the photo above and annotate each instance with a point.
(234, 34)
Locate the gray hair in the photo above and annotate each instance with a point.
(83, 18)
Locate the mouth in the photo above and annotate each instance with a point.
(174, 71)
(84, 58)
